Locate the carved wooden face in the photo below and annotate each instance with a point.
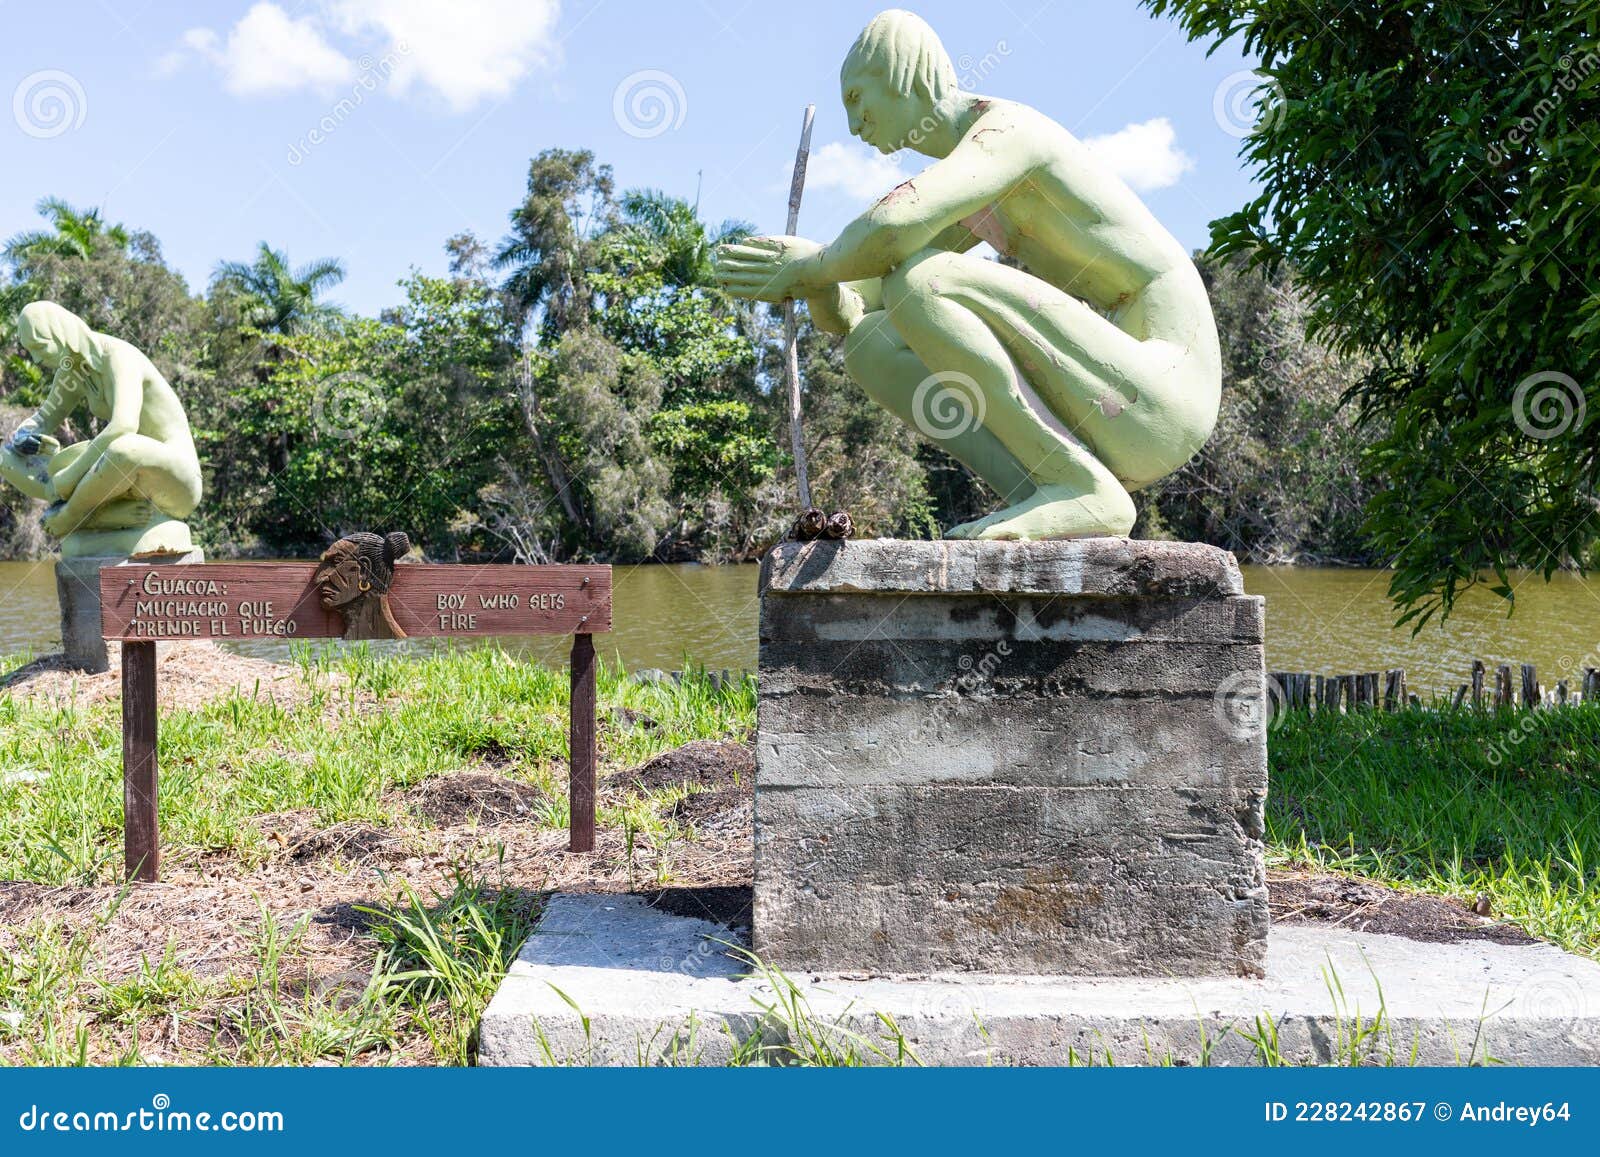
(341, 575)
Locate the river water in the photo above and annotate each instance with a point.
(1331, 621)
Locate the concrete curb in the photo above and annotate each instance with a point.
(658, 988)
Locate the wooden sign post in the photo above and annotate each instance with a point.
(347, 595)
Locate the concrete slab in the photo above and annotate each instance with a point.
(609, 980)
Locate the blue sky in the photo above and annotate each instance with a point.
(371, 130)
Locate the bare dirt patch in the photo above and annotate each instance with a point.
(188, 675)
(474, 797)
(705, 763)
(1365, 906)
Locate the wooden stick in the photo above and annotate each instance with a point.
(141, 830)
(791, 356)
(581, 746)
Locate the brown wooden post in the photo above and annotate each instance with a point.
(581, 745)
(141, 830)
(1477, 684)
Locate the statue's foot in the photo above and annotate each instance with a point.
(162, 536)
(1054, 512)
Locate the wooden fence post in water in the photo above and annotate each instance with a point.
(141, 831)
(1477, 684)
(1502, 686)
(1530, 687)
(581, 746)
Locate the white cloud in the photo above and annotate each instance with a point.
(269, 52)
(1144, 155)
(465, 52)
(856, 169)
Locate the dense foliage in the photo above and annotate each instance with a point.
(1432, 171)
(581, 389)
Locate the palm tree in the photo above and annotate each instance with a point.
(673, 230)
(277, 298)
(551, 247)
(73, 233)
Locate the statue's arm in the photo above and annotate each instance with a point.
(47, 419)
(837, 308)
(127, 404)
(920, 212)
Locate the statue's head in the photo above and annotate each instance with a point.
(52, 334)
(358, 566)
(896, 79)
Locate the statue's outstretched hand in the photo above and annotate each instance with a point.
(764, 268)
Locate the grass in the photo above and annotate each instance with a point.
(1446, 802)
(389, 723)
(328, 959)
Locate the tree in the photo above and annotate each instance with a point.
(1278, 481)
(671, 230)
(72, 233)
(1430, 171)
(568, 206)
(278, 299)
(395, 423)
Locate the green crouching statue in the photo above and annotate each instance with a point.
(1091, 371)
(127, 490)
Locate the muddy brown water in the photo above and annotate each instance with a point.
(1332, 621)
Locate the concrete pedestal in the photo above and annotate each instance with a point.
(78, 591)
(1024, 758)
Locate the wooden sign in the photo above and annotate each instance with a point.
(252, 602)
(355, 591)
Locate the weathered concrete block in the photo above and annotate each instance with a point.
(1010, 757)
(78, 592)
